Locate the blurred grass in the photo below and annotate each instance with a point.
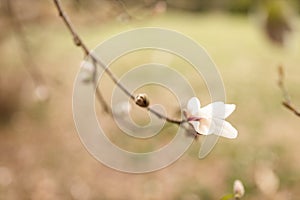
(47, 161)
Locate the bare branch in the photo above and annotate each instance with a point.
(175, 121)
(96, 61)
(67, 22)
(286, 97)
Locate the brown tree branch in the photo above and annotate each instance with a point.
(96, 61)
(286, 97)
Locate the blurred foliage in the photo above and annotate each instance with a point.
(277, 20)
(241, 6)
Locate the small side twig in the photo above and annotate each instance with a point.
(98, 93)
(96, 61)
(286, 97)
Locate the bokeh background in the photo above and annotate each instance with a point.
(41, 156)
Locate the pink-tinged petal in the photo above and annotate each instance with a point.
(193, 106)
(217, 110)
(225, 129)
(203, 126)
(206, 126)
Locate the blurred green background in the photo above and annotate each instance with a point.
(41, 156)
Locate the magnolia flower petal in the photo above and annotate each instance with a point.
(207, 126)
(229, 108)
(203, 127)
(217, 109)
(193, 106)
(204, 130)
(225, 129)
(196, 126)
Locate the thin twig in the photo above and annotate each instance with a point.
(175, 121)
(98, 93)
(97, 61)
(286, 97)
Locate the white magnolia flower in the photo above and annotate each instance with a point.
(211, 118)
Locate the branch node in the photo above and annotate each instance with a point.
(77, 41)
(286, 97)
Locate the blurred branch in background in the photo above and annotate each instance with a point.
(286, 97)
(26, 55)
(19, 90)
(122, 10)
(122, 5)
(41, 91)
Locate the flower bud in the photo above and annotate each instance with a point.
(238, 189)
(87, 71)
(41, 93)
(142, 100)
